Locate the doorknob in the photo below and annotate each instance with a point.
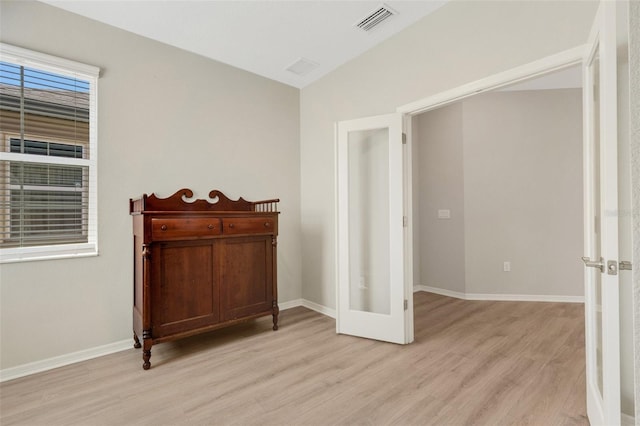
(594, 263)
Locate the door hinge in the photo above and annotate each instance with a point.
(405, 221)
(625, 265)
(406, 304)
(404, 139)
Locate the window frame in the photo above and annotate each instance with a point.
(49, 63)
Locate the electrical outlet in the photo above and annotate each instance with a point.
(506, 266)
(444, 214)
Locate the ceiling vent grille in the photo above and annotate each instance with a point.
(376, 17)
(302, 66)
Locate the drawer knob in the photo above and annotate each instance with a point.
(267, 224)
(210, 226)
(163, 227)
(231, 225)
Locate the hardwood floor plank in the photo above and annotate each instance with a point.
(473, 362)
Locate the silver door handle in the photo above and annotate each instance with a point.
(594, 263)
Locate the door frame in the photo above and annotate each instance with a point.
(540, 67)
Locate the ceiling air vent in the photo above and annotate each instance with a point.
(376, 17)
(302, 66)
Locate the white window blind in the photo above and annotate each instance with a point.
(48, 164)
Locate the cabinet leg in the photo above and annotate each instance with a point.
(276, 311)
(146, 354)
(136, 342)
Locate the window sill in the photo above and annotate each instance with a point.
(67, 251)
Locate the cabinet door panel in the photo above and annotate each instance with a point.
(185, 287)
(246, 276)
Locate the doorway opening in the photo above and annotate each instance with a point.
(497, 190)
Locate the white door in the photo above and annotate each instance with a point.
(601, 221)
(373, 299)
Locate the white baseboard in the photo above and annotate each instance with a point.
(62, 360)
(441, 291)
(526, 298)
(309, 305)
(319, 308)
(290, 304)
(71, 358)
(500, 297)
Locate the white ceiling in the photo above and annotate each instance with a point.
(264, 37)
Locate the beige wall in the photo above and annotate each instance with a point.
(523, 192)
(438, 144)
(168, 119)
(508, 165)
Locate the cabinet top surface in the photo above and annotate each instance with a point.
(182, 203)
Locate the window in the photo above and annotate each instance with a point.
(48, 161)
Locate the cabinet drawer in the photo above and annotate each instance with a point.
(184, 228)
(248, 225)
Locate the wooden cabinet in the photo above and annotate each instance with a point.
(201, 265)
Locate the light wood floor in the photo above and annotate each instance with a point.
(473, 362)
